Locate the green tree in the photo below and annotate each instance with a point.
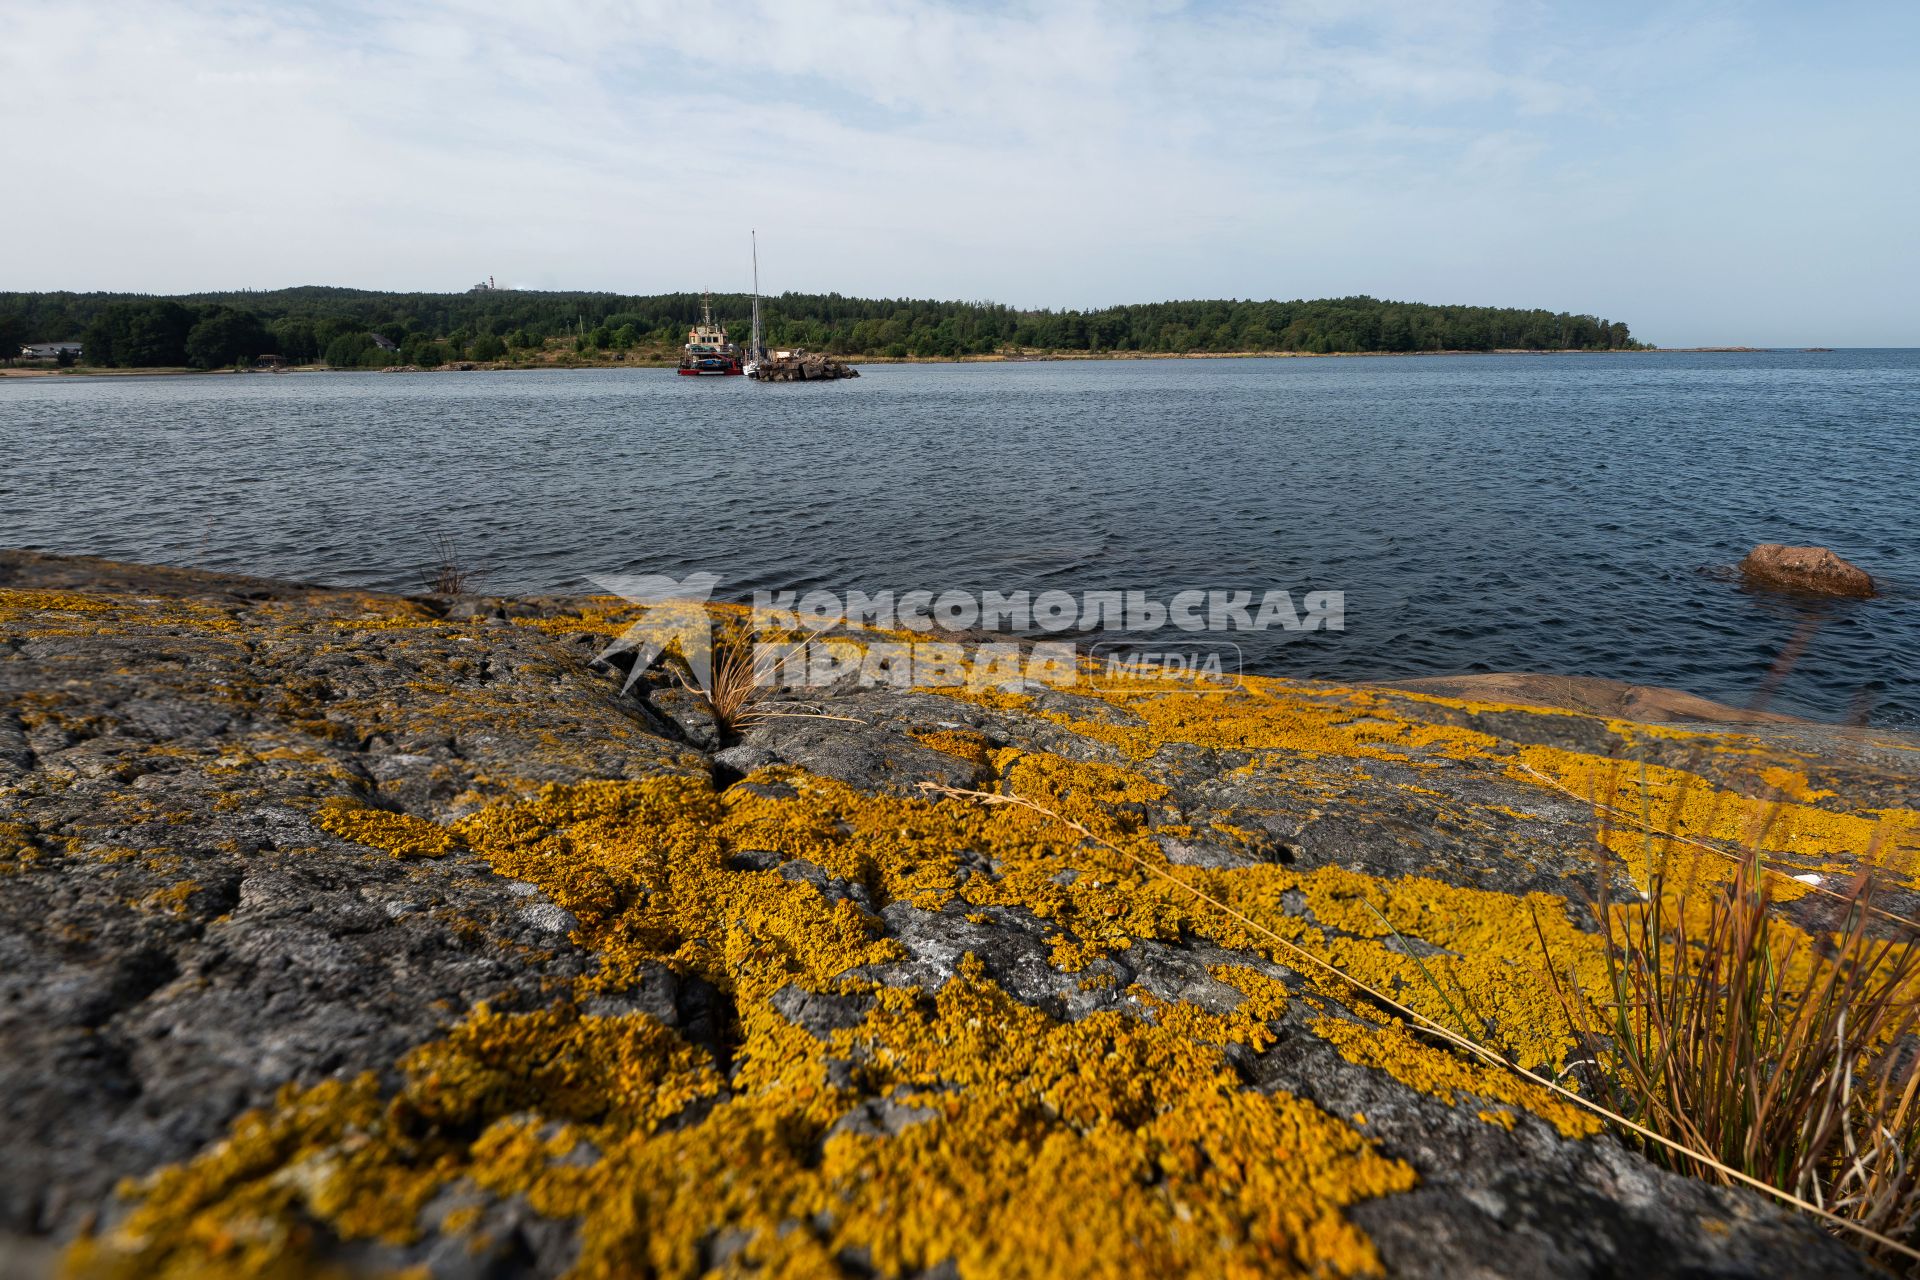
(225, 336)
(327, 328)
(350, 351)
(13, 334)
(423, 352)
(140, 335)
(123, 329)
(296, 339)
(488, 347)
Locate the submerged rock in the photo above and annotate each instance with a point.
(1806, 570)
(374, 935)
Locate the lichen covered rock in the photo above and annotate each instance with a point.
(362, 932)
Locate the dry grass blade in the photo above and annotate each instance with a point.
(1855, 1224)
(738, 682)
(1647, 827)
(1477, 1028)
(1746, 1049)
(447, 575)
(734, 692)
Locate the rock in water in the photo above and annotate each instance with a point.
(1809, 570)
(805, 368)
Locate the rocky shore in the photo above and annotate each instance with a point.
(354, 931)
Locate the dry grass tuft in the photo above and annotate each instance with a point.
(447, 575)
(1734, 1036)
(737, 685)
(742, 674)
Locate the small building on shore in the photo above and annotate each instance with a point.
(50, 350)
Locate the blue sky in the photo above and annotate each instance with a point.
(1717, 173)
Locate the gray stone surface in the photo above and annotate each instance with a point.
(178, 937)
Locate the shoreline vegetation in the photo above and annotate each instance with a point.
(347, 328)
(564, 358)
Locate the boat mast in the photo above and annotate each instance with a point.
(755, 346)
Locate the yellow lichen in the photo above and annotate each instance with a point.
(171, 901)
(1653, 811)
(1446, 1075)
(966, 744)
(1122, 1143)
(15, 605)
(400, 834)
(1029, 1121)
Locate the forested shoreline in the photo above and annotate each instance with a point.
(369, 329)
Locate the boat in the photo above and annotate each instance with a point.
(708, 353)
(756, 343)
(786, 366)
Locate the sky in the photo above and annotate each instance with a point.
(1709, 173)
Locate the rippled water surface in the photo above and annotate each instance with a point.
(1570, 513)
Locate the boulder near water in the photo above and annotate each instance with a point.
(1809, 570)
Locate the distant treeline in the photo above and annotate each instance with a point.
(210, 330)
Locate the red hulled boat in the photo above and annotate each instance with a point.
(708, 353)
